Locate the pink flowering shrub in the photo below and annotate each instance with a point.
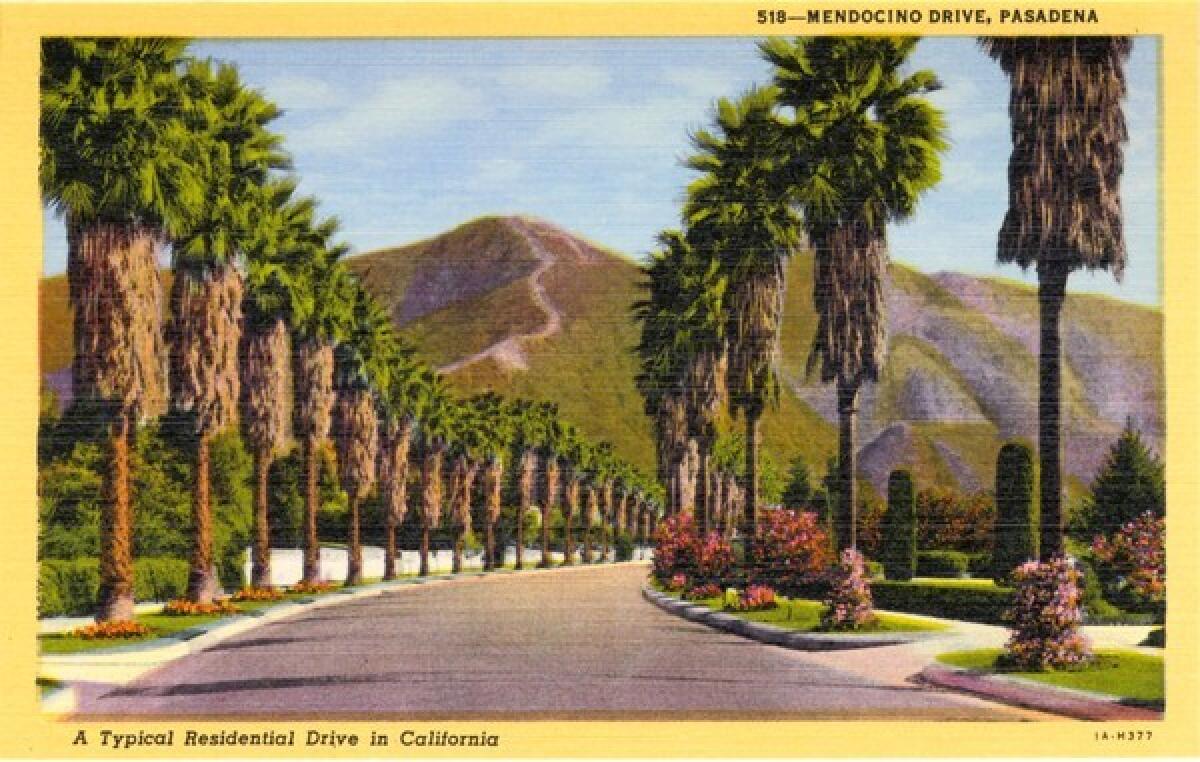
(755, 598)
(1046, 614)
(679, 549)
(848, 604)
(791, 549)
(674, 547)
(1136, 556)
(676, 583)
(700, 592)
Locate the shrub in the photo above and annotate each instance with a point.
(311, 588)
(1015, 539)
(755, 598)
(947, 520)
(674, 547)
(677, 583)
(874, 569)
(1128, 485)
(68, 587)
(256, 594)
(899, 543)
(679, 550)
(1134, 560)
(791, 549)
(1046, 614)
(848, 602)
(970, 604)
(623, 546)
(942, 563)
(700, 592)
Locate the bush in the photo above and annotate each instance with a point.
(848, 603)
(700, 592)
(874, 569)
(970, 604)
(755, 598)
(1129, 484)
(68, 587)
(679, 550)
(899, 543)
(947, 520)
(942, 563)
(1133, 562)
(979, 565)
(1015, 540)
(1046, 614)
(791, 549)
(623, 546)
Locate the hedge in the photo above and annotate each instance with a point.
(972, 604)
(69, 587)
(951, 563)
(899, 554)
(1018, 518)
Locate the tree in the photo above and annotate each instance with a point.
(330, 295)
(863, 144)
(274, 294)
(403, 403)
(1015, 539)
(361, 367)
(799, 491)
(735, 210)
(1064, 206)
(899, 555)
(436, 428)
(1129, 484)
(115, 165)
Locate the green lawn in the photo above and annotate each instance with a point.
(974, 584)
(1126, 674)
(161, 624)
(805, 616)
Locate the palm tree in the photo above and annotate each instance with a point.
(361, 367)
(330, 296)
(863, 145)
(437, 426)
(1064, 204)
(402, 407)
(552, 445)
(274, 294)
(496, 433)
(736, 211)
(204, 334)
(114, 162)
(530, 420)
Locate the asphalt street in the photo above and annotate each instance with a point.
(576, 643)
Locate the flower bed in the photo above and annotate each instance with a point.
(312, 588)
(112, 631)
(180, 607)
(257, 594)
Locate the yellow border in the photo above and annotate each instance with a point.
(25, 731)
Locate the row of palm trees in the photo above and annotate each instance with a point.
(266, 328)
(842, 143)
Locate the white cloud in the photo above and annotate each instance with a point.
(570, 81)
(397, 108)
(707, 83)
(294, 92)
(659, 124)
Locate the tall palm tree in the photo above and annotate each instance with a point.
(553, 445)
(863, 144)
(330, 295)
(115, 164)
(403, 405)
(1064, 203)
(361, 367)
(736, 210)
(436, 428)
(530, 420)
(496, 433)
(204, 333)
(274, 294)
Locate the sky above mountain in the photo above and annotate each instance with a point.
(403, 139)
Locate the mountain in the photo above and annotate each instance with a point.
(521, 306)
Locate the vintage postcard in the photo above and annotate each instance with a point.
(599, 379)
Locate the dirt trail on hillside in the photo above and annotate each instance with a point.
(508, 352)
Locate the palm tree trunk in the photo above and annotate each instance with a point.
(116, 530)
(202, 583)
(551, 490)
(389, 545)
(489, 548)
(703, 519)
(312, 546)
(588, 520)
(456, 562)
(750, 520)
(260, 575)
(1052, 287)
(354, 544)
(528, 469)
(424, 570)
(846, 522)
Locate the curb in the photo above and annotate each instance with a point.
(778, 636)
(125, 663)
(1080, 705)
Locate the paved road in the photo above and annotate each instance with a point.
(570, 643)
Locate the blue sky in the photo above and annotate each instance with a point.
(403, 139)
